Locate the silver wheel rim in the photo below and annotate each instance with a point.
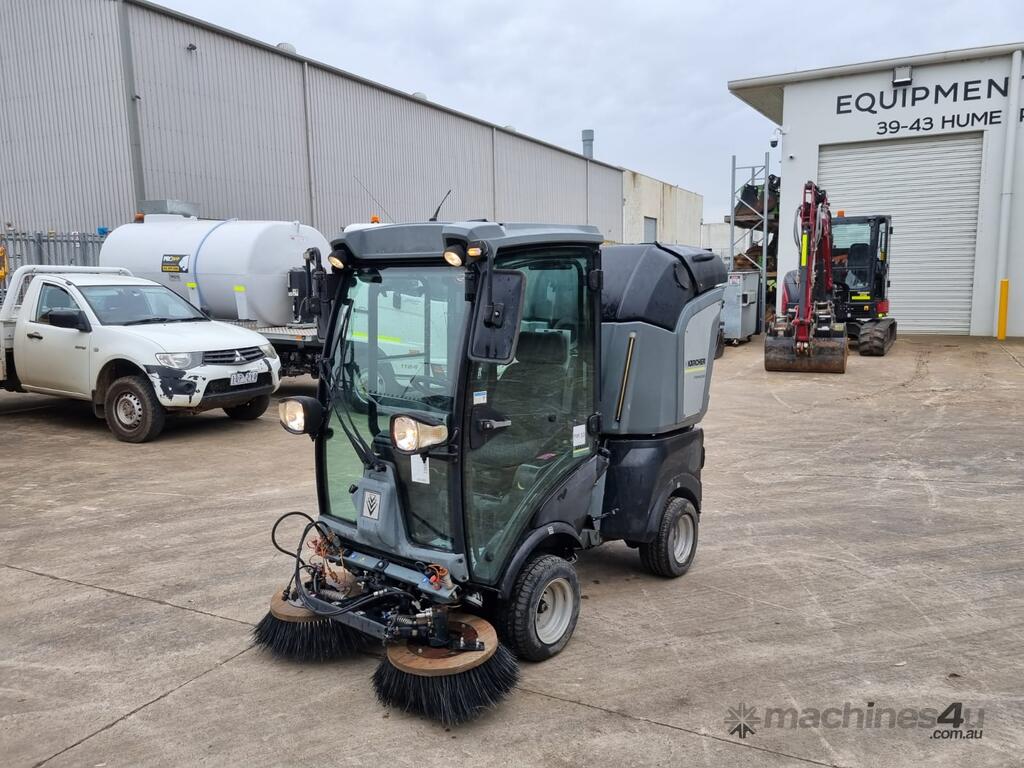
(682, 539)
(554, 611)
(128, 410)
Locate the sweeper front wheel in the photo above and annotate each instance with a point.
(673, 549)
(540, 615)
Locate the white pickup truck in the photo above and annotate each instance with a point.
(131, 347)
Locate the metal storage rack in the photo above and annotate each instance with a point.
(751, 227)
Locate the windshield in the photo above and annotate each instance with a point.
(400, 342)
(852, 255)
(138, 305)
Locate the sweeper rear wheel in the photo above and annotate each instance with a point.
(443, 684)
(672, 551)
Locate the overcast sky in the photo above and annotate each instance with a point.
(649, 76)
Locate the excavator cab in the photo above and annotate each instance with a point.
(860, 265)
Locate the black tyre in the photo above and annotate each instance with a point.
(673, 550)
(251, 410)
(132, 411)
(541, 613)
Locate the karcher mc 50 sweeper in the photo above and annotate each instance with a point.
(492, 399)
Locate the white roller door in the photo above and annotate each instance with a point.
(930, 188)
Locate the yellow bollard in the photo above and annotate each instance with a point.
(1004, 305)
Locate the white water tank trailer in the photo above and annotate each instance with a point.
(249, 272)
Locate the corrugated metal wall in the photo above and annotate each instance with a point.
(64, 161)
(605, 198)
(405, 153)
(537, 183)
(223, 125)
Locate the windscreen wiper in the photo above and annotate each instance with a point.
(148, 320)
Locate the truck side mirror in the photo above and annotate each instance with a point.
(499, 310)
(69, 318)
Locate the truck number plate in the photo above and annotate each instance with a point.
(246, 377)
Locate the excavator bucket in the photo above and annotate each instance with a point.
(824, 356)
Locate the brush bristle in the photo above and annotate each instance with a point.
(317, 640)
(451, 699)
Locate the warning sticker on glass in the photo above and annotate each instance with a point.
(420, 469)
(480, 398)
(579, 435)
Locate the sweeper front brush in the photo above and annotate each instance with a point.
(290, 631)
(443, 684)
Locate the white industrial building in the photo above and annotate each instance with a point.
(107, 103)
(925, 139)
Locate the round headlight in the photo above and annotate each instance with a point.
(411, 436)
(292, 415)
(405, 434)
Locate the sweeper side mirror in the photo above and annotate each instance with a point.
(499, 310)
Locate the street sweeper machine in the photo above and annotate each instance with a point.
(492, 399)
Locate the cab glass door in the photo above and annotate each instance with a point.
(527, 421)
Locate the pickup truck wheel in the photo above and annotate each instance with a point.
(251, 410)
(132, 411)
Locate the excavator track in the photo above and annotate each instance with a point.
(877, 337)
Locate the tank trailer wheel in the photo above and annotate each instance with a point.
(251, 410)
(673, 549)
(541, 613)
(132, 411)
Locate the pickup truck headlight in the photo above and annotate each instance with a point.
(181, 361)
(410, 435)
(269, 351)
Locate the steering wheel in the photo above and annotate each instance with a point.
(429, 385)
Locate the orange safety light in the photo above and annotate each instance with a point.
(375, 219)
(840, 213)
(139, 217)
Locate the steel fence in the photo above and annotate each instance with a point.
(51, 248)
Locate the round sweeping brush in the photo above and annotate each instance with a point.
(293, 632)
(450, 686)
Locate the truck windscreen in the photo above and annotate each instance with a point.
(139, 305)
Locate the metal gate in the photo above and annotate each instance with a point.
(55, 248)
(930, 187)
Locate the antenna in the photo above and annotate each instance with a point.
(379, 205)
(438, 209)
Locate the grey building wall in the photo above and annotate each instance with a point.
(64, 162)
(223, 125)
(249, 131)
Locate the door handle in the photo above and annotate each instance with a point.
(35, 335)
(489, 425)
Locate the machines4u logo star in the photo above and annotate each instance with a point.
(741, 720)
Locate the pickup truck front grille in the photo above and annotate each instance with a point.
(239, 356)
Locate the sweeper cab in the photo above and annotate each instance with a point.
(492, 399)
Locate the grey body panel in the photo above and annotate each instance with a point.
(669, 378)
(380, 524)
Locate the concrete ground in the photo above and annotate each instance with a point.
(861, 544)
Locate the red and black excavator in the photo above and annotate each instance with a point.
(806, 336)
